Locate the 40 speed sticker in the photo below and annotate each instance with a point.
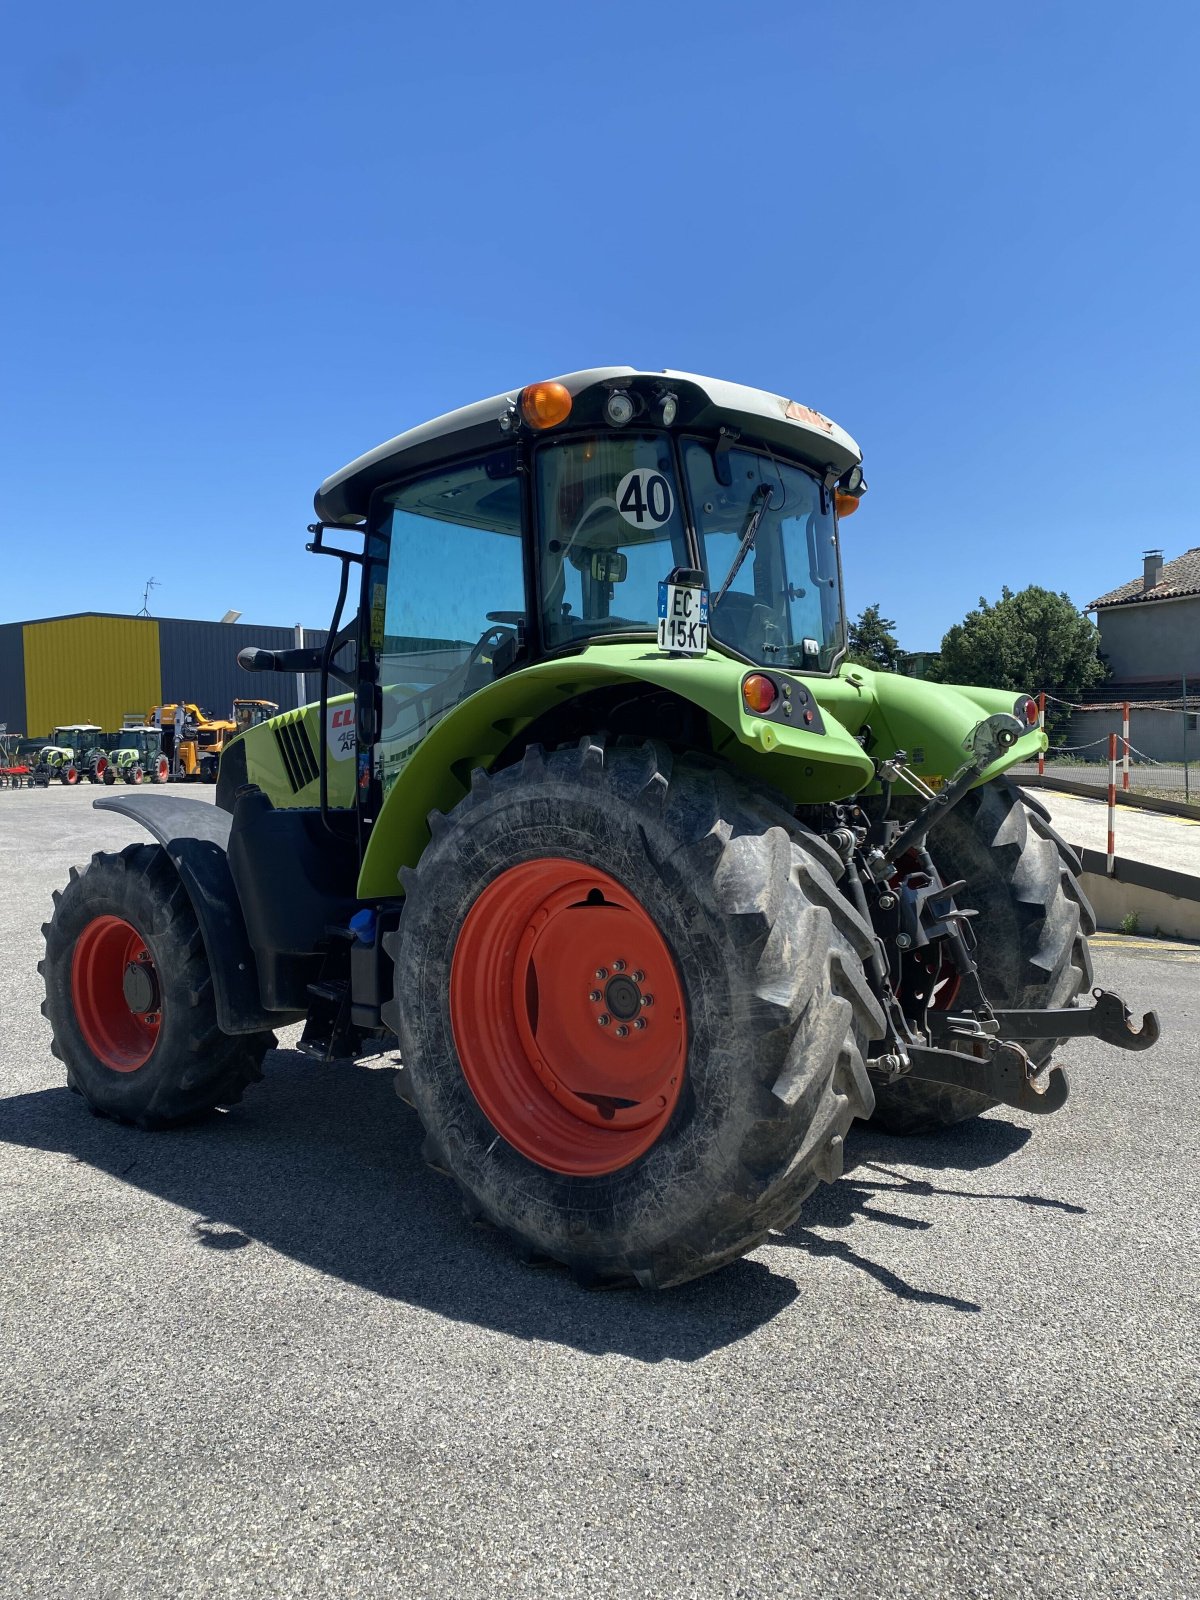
(644, 498)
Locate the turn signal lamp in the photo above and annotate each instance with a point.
(1026, 709)
(845, 504)
(544, 405)
(759, 692)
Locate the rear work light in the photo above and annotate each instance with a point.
(759, 692)
(544, 405)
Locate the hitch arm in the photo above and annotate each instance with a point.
(1109, 1020)
(1005, 1073)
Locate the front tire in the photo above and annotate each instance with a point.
(129, 996)
(616, 1156)
(1032, 929)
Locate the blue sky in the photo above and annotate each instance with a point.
(244, 243)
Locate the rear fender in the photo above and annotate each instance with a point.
(805, 765)
(196, 837)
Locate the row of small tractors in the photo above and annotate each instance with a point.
(179, 742)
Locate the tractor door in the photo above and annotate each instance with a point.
(449, 615)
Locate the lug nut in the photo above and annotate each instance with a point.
(640, 1023)
(647, 999)
(622, 1031)
(602, 973)
(639, 976)
(618, 966)
(604, 1019)
(594, 996)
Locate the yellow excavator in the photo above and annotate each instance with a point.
(192, 739)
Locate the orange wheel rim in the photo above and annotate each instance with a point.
(114, 989)
(568, 1017)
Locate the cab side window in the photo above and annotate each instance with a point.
(455, 605)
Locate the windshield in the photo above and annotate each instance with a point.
(783, 605)
(609, 529)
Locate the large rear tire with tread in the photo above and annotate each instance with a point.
(774, 1008)
(1032, 929)
(129, 996)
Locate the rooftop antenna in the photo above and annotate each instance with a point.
(151, 583)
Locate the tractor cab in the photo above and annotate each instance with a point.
(609, 514)
(144, 743)
(608, 508)
(250, 713)
(76, 740)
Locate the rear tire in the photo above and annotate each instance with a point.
(170, 1061)
(775, 1010)
(1032, 930)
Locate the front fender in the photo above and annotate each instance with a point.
(196, 837)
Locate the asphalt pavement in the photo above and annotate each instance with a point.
(267, 1356)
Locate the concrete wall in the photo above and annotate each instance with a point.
(1157, 639)
(1157, 734)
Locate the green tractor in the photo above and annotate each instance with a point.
(76, 751)
(653, 891)
(136, 756)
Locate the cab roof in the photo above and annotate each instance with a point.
(703, 403)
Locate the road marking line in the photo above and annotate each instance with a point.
(1132, 942)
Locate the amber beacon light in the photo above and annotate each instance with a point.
(545, 405)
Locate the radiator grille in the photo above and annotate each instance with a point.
(296, 753)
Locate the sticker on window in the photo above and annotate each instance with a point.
(644, 498)
(341, 733)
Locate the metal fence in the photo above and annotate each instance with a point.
(1169, 724)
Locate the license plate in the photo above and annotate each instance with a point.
(682, 619)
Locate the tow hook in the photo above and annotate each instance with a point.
(1109, 1020)
(999, 1068)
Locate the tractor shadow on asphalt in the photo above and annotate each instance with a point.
(872, 1173)
(323, 1164)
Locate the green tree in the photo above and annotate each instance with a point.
(1033, 640)
(872, 642)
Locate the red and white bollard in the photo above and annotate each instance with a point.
(1125, 742)
(1042, 726)
(1112, 803)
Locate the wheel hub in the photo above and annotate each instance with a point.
(623, 998)
(140, 986)
(551, 1027)
(115, 993)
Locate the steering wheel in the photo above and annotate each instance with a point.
(512, 618)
